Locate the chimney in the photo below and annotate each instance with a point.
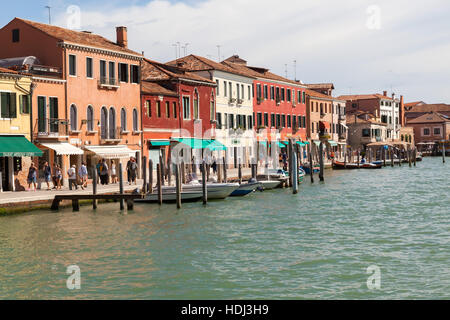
(385, 93)
(402, 111)
(122, 37)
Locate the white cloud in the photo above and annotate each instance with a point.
(328, 38)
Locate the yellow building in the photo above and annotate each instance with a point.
(16, 149)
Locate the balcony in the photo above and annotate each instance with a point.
(108, 83)
(111, 135)
(52, 128)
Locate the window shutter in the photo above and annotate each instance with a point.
(119, 69)
(21, 104)
(131, 73)
(12, 106)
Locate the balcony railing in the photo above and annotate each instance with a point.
(52, 128)
(108, 82)
(109, 135)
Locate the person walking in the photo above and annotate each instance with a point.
(99, 164)
(72, 173)
(58, 177)
(133, 171)
(47, 174)
(32, 177)
(214, 165)
(83, 173)
(128, 170)
(113, 172)
(104, 172)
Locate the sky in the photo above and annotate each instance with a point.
(362, 46)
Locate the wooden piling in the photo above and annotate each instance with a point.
(415, 156)
(144, 174)
(384, 156)
(311, 166)
(400, 157)
(322, 167)
(225, 179)
(159, 183)
(162, 170)
(409, 157)
(240, 172)
(219, 172)
(178, 185)
(290, 163)
(94, 188)
(358, 157)
(443, 151)
(294, 175)
(122, 205)
(183, 173)
(76, 205)
(169, 174)
(392, 156)
(204, 185)
(150, 182)
(130, 204)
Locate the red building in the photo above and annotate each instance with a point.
(278, 103)
(176, 104)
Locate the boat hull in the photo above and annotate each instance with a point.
(171, 197)
(215, 190)
(269, 185)
(245, 189)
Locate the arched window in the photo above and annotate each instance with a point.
(402, 137)
(104, 122)
(213, 107)
(135, 121)
(90, 118)
(123, 119)
(112, 123)
(196, 105)
(73, 118)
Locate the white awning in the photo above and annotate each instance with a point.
(63, 148)
(112, 152)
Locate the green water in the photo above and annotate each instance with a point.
(271, 245)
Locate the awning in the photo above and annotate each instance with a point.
(160, 143)
(18, 146)
(332, 143)
(281, 145)
(63, 148)
(216, 146)
(264, 143)
(112, 152)
(301, 144)
(194, 143)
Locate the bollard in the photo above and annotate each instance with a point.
(240, 172)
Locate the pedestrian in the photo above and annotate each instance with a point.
(72, 173)
(133, 171)
(214, 165)
(83, 173)
(104, 173)
(99, 163)
(58, 177)
(47, 174)
(128, 170)
(32, 176)
(113, 172)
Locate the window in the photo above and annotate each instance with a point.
(134, 74)
(224, 88)
(42, 114)
(278, 121)
(196, 106)
(250, 121)
(277, 95)
(299, 96)
(384, 118)
(238, 91)
(174, 105)
(283, 121)
(288, 121)
(167, 109)
(112, 72)
(219, 120)
(231, 121)
(259, 119)
(243, 93)
(186, 108)
(212, 110)
(283, 94)
(272, 120)
(272, 93)
(266, 119)
(72, 65)
(102, 71)
(218, 88)
(354, 105)
(288, 95)
(25, 104)
(158, 109)
(266, 92)
(304, 97)
(8, 105)
(112, 123)
(230, 90)
(258, 91)
(366, 133)
(294, 121)
(249, 93)
(90, 118)
(225, 120)
(89, 66)
(135, 121)
(73, 118)
(123, 72)
(16, 35)
(123, 119)
(437, 131)
(148, 108)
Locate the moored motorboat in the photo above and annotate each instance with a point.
(245, 189)
(269, 184)
(337, 165)
(215, 190)
(170, 197)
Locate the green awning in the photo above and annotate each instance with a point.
(18, 146)
(306, 142)
(194, 143)
(285, 142)
(301, 144)
(264, 143)
(332, 143)
(216, 146)
(160, 143)
(281, 145)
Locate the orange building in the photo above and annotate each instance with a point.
(86, 103)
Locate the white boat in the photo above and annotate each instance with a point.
(269, 184)
(170, 197)
(215, 190)
(246, 188)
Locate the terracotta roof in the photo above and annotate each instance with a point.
(364, 97)
(76, 37)
(350, 118)
(320, 85)
(440, 107)
(154, 88)
(412, 104)
(316, 94)
(4, 70)
(156, 71)
(430, 118)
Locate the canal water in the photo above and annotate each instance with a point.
(271, 245)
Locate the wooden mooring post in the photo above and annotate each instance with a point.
(240, 172)
(392, 156)
(150, 180)
(144, 174)
(225, 179)
(178, 185)
(443, 151)
(415, 156)
(311, 166)
(94, 188)
(294, 175)
(384, 156)
(204, 185)
(322, 167)
(358, 157)
(122, 205)
(159, 183)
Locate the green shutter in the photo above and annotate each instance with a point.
(4, 104)
(21, 104)
(12, 106)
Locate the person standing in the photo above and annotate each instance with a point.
(133, 171)
(214, 165)
(104, 173)
(128, 170)
(113, 172)
(47, 175)
(72, 173)
(99, 164)
(32, 176)
(58, 177)
(83, 173)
